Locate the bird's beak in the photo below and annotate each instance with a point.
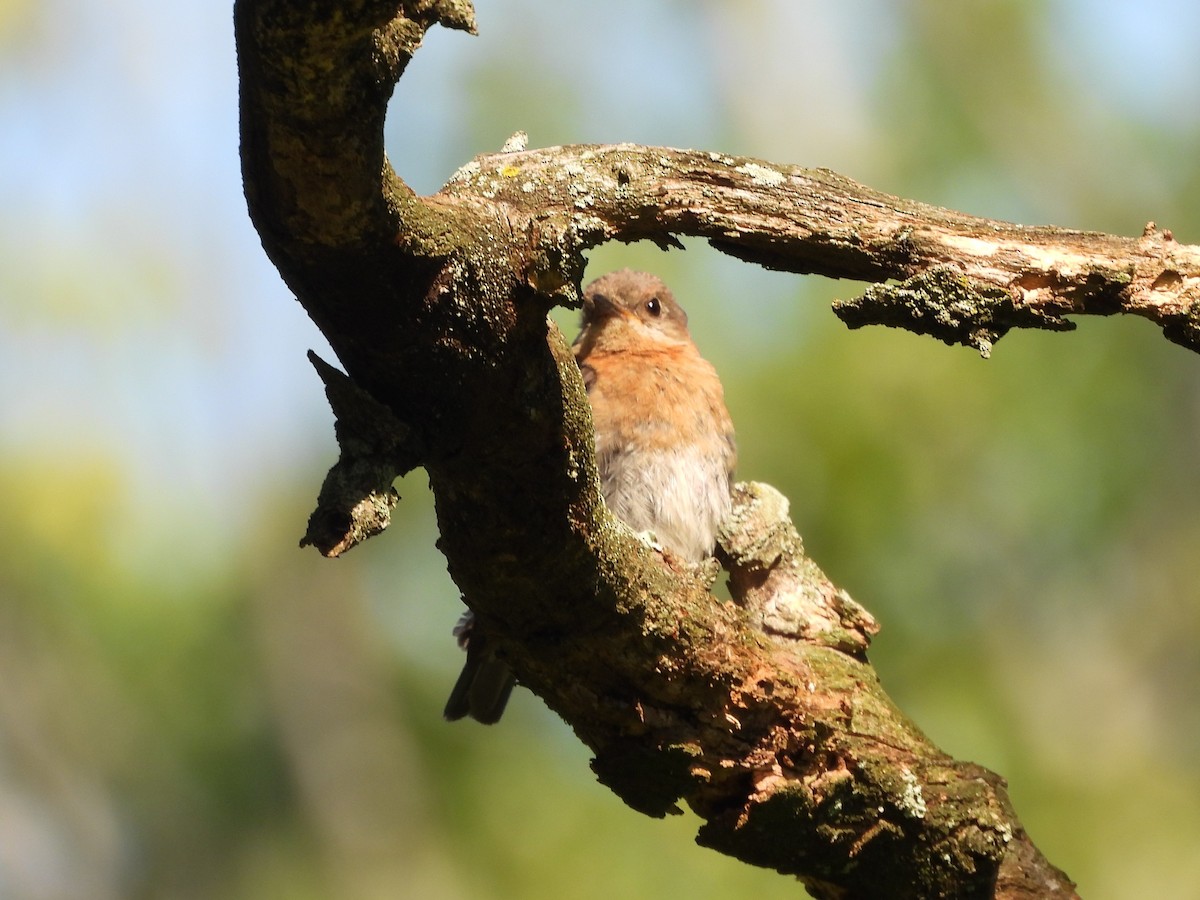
(599, 306)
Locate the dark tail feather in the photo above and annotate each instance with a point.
(483, 687)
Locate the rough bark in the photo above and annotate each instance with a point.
(764, 716)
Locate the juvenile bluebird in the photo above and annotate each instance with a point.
(664, 445)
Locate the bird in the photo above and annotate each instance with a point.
(664, 443)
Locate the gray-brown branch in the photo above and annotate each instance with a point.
(764, 716)
(962, 278)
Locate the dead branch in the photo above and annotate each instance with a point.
(763, 716)
(963, 279)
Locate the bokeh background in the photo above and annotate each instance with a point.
(191, 707)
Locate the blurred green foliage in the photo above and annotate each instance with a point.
(191, 707)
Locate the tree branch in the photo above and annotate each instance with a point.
(763, 716)
(965, 279)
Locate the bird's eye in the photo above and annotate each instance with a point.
(654, 307)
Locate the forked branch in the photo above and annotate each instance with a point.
(764, 716)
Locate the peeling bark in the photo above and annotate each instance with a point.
(763, 715)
